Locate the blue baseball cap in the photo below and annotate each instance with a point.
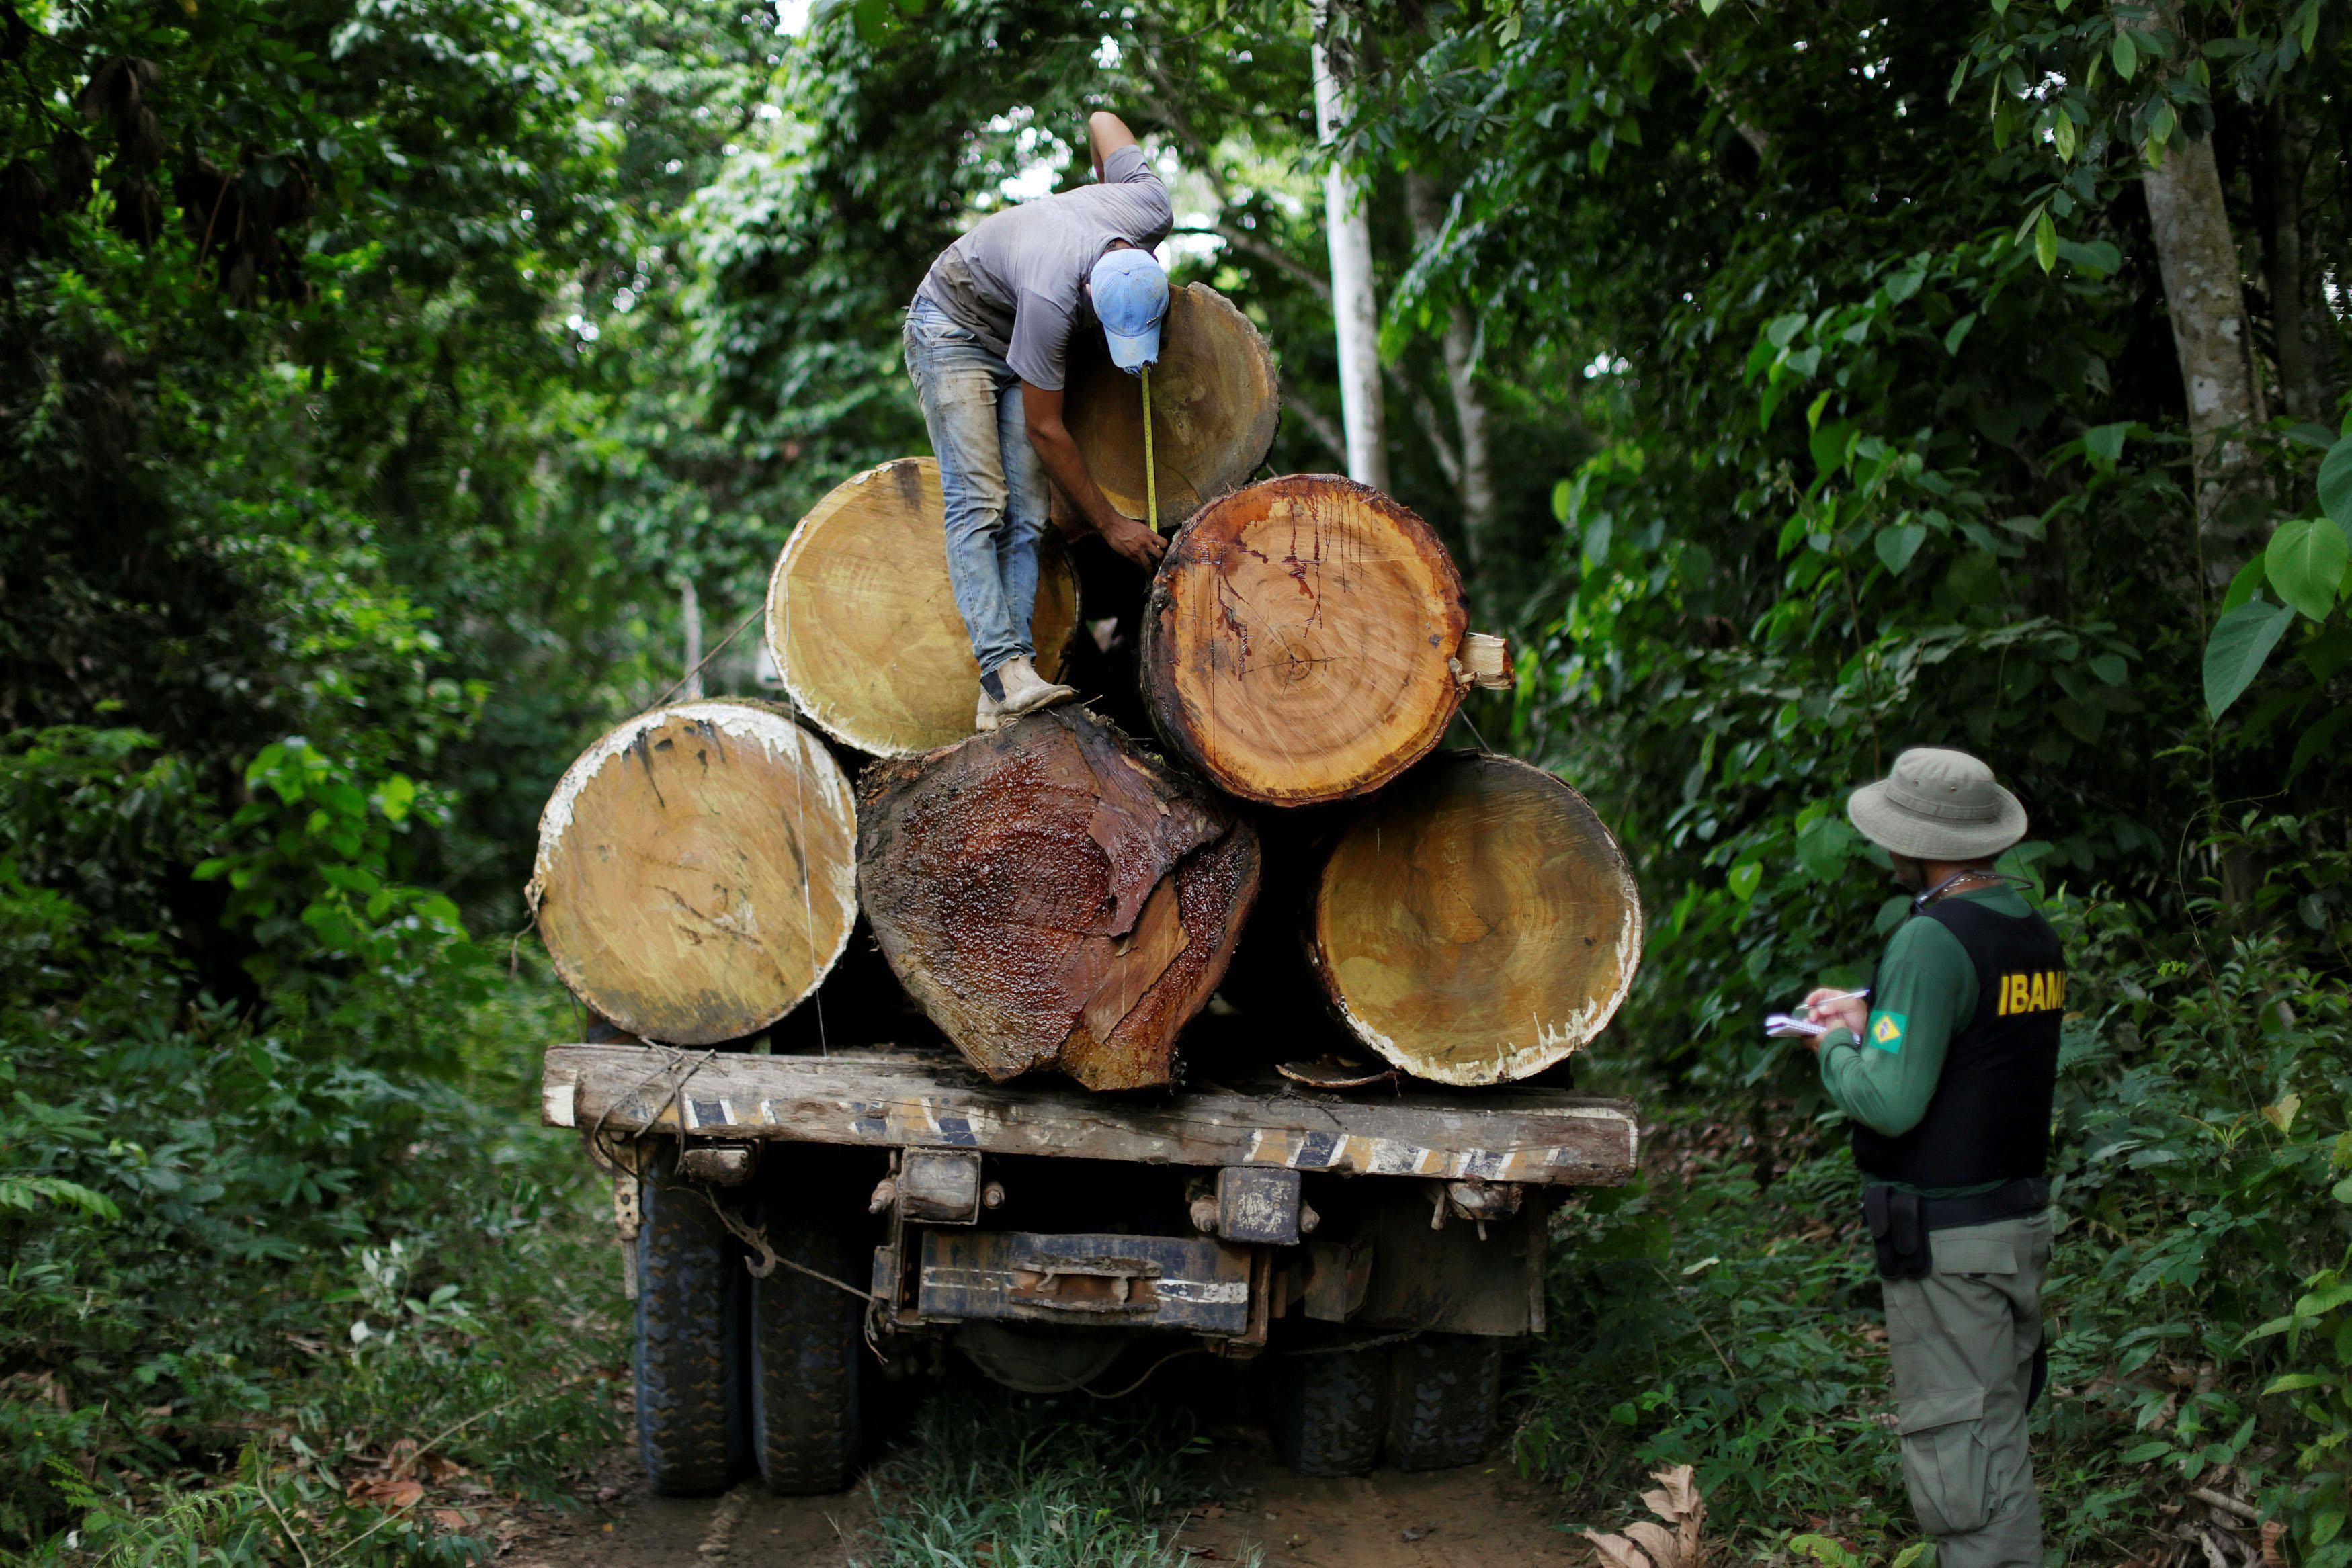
(1131, 297)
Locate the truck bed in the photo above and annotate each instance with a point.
(892, 1098)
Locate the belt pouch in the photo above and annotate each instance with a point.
(1897, 1233)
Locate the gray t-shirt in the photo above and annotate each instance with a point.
(1017, 281)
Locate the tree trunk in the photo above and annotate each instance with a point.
(689, 614)
(1053, 898)
(697, 874)
(1355, 313)
(1478, 923)
(1214, 406)
(864, 626)
(2205, 295)
(2283, 264)
(1473, 479)
(1305, 641)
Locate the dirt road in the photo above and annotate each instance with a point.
(1484, 1515)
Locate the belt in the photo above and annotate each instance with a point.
(2010, 1200)
(1900, 1223)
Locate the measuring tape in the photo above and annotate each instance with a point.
(1150, 475)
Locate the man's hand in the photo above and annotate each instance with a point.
(1836, 1007)
(1133, 541)
(1041, 411)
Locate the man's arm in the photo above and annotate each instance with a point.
(1106, 135)
(1041, 411)
(1924, 988)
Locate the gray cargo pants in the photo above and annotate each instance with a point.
(1961, 1340)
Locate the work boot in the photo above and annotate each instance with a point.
(1025, 691)
(989, 715)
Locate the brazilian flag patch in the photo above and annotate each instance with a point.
(1886, 1032)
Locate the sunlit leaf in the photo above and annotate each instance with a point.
(2306, 562)
(2336, 483)
(2234, 654)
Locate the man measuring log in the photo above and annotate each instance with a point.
(1948, 1073)
(994, 317)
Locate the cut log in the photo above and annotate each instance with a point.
(1052, 897)
(1478, 923)
(1304, 640)
(864, 626)
(697, 871)
(1214, 406)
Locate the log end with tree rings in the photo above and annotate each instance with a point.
(863, 622)
(1214, 406)
(696, 871)
(1301, 643)
(1054, 897)
(1478, 922)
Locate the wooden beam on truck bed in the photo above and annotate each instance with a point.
(894, 1100)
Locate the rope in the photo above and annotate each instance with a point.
(671, 1058)
(799, 832)
(1352, 1346)
(755, 1236)
(704, 662)
(1151, 472)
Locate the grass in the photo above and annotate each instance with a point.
(982, 1481)
(380, 1374)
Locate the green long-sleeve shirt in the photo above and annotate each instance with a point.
(1925, 991)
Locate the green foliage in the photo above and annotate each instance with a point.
(1037, 1482)
(2307, 567)
(331, 1238)
(1727, 1309)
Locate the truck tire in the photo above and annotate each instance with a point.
(1328, 1406)
(809, 1372)
(1442, 1406)
(690, 1377)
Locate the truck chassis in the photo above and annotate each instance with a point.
(1376, 1245)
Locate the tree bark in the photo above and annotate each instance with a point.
(1478, 923)
(1355, 312)
(696, 876)
(1305, 641)
(2206, 298)
(2283, 262)
(1214, 406)
(1473, 466)
(1054, 898)
(864, 626)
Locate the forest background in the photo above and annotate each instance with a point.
(382, 381)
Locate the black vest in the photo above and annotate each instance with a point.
(1989, 1118)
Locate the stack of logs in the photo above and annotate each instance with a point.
(1054, 895)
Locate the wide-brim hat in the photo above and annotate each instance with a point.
(1938, 805)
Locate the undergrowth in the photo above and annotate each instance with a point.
(1033, 1483)
(1722, 1310)
(273, 1273)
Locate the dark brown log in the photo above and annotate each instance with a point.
(1305, 641)
(1054, 897)
(864, 624)
(1215, 407)
(1477, 923)
(696, 876)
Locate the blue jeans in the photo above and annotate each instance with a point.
(989, 479)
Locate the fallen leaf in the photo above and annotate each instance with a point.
(1616, 1551)
(388, 1492)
